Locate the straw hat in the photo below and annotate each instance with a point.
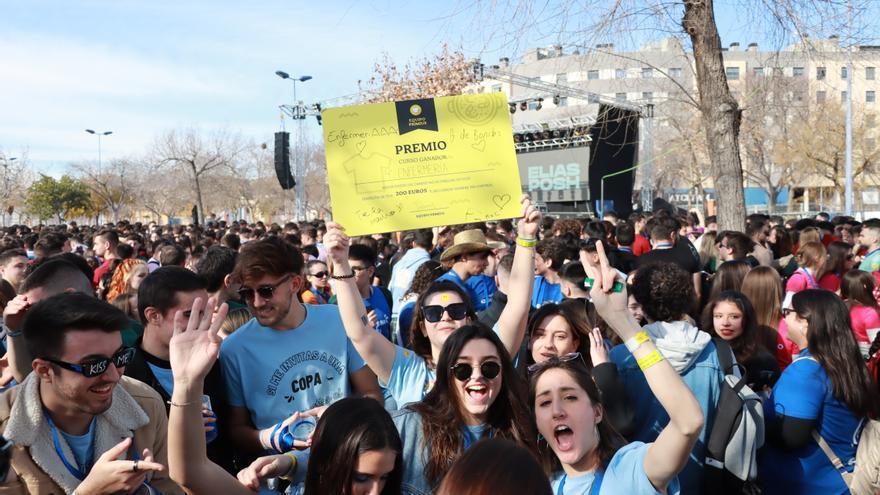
(466, 242)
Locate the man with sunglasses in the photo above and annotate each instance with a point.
(67, 418)
(291, 357)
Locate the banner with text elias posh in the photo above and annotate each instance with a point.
(420, 163)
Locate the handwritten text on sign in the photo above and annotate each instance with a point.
(421, 163)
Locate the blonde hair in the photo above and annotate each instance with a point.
(812, 255)
(121, 277)
(235, 318)
(763, 286)
(809, 234)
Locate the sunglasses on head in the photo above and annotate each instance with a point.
(434, 313)
(265, 291)
(319, 274)
(96, 367)
(464, 371)
(555, 360)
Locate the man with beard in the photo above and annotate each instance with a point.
(291, 357)
(67, 418)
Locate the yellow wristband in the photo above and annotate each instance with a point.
(526, 243)
(650, 360)
(293, 464)
(636, 340)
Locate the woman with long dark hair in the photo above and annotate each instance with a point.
(356, 448)
(581, 451)
(440, 311)
(478, 394)
(840, 260)
(857, 291)
(731, 317)
(826, 390)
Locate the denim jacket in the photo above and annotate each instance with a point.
(415, 452)
(703, 376)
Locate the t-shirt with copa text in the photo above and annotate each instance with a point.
(274, 373)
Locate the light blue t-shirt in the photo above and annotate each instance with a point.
(625, 474)
(544, 292)
(163, 376)
(82, 447)
(871, 263)
(804, 391)
(410, 379)
(274, 373)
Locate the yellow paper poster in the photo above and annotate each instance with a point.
(420, 163)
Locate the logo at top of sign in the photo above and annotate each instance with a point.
(473, 109)
(415, 110)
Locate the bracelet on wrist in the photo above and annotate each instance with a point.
(650, 360)
(343, 277)
(293, 465)
(526, 242)
(636, 341)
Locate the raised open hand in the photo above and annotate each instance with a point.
(195, 342)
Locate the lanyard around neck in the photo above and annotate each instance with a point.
(595, 486)
(55, 440)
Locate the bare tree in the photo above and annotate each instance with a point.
(162, 194)
(444, 74)
(16, 175)
(585, 23)
(199, 155)
(111, 182)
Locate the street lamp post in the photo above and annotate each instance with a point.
(299, 114)
(99, 134)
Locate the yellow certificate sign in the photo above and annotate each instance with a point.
(420, 163)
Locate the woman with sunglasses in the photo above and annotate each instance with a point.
(356, 449)
(582, 453)
(319, 283)
(440, 311)
(840, 260)
(477, 395)
(823, 396)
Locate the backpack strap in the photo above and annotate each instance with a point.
(597, 482)
(726, 357)
(838, 464)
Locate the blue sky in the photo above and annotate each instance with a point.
(139, 67)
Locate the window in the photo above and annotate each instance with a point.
(562, 78)
(797, 71)
(496, 88)
(843, 72)
(820, 73)
(647, 96)
(620, 96)
(758, 71)
(647, 72)
(620, 73)
(820, 96)
(675, 72)
(870, 73)
(732, 73)
(592, 98)
(843, 96)
(592, 75)
(870, 97)
(562, 101)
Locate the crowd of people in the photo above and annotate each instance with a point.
(525, 356)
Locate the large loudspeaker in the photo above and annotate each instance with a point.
(614, 148)
(282, 160)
